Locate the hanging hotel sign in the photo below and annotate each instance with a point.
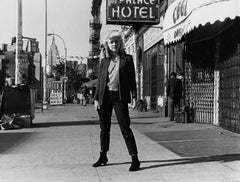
(184, 15)
(124, 12)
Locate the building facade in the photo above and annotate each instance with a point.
(207, 50)
(150, 63)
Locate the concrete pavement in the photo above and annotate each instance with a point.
(64, 142)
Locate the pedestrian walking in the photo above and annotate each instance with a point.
(81, 98)
(85, 93)
(174, 94)
(116, 87)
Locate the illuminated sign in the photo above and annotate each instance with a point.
(132, 11)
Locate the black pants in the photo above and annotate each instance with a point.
(171, 107)
(111, 101)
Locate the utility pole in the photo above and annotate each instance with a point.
(19, 45)
(44, 101)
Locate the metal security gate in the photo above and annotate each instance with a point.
(199, 92)
(229, 96)
(154, 82)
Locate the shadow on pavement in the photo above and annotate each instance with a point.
(65, 123)
(9, 140)
(184, 161)
(194, 143)
(141, 123)
(144, 117)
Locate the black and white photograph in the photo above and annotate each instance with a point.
(120, 91)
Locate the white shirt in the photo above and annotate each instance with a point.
(113, 74)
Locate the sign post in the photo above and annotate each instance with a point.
(56, 94)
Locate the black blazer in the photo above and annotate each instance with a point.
(174, 88)
(127, 82)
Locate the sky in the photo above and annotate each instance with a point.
(67, 18)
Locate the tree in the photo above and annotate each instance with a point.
(75, 79)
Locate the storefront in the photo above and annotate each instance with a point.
(154, 69)
(209, 32)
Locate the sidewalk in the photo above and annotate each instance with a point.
(64, 142)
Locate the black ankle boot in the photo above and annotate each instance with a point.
(102, 161)
(135, 165)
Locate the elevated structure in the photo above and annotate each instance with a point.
(94, 42)
(53, 54)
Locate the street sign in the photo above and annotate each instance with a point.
(132, 11)
(56, 98)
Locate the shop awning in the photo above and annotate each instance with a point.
(182, 16)
(91, 83)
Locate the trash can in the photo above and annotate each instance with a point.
(19, 101)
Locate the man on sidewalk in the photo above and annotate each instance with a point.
(174, 93)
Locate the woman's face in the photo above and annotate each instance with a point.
(114, 44)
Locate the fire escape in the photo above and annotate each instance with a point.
(94, 41)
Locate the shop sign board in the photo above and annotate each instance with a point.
(55, 97)
(34, 46)
(56, 94)
(182, 16)
(130, 45)
(124, 12)
(152, 36)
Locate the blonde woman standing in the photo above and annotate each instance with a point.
(116, 88)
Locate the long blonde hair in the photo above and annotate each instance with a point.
(107, 53)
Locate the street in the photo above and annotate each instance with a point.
(63, 143)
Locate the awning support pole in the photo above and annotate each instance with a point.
(216, 81)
